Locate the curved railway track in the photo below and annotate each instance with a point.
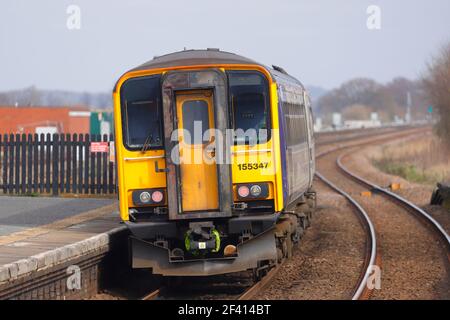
(361, 291)
(410, 207)
(397, 205)
(371, 257)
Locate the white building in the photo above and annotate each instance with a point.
(361, 124)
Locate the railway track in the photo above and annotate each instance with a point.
(372, 257)
(398, 206)
(251, 292)
(247, 294)
(360, 291)
(408, 205)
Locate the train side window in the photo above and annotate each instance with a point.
(141, 113)
(249, 100)
(295, 119)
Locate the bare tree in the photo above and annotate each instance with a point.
(360, 91)
(357, 112)
(437, 86)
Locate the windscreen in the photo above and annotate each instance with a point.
(141, 113)
(248, 92)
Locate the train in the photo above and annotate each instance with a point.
(215, 163)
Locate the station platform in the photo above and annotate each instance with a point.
(39, 235)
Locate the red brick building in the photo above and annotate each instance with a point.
(44, 119)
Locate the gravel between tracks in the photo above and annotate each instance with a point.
(328, 262)
(419, 194)
(414, 264)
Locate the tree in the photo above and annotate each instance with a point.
(359, 91)
(399, 88)
(436, 83)
(356, 112)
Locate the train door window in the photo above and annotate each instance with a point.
(195, 112)
(141, 113)
(249, 101)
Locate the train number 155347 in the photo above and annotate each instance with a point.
(253, 166)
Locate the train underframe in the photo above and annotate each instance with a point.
(203, 247)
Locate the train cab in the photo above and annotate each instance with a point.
(215, 158)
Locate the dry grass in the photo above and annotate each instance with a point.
(423, 160)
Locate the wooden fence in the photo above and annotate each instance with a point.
(58, 163)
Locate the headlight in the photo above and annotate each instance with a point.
(145, 197)
(252, 191)
(255, 190)
(148, 197)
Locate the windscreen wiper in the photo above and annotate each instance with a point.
(148, 141)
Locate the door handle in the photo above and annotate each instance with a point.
(157, 169)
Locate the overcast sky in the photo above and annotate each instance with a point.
(321, 42)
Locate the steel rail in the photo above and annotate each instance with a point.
(402, 201)
(152, 295)
(374, 257)
(251, 292)
(362, 289)
(248, 294)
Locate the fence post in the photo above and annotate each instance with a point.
(41, 162)
(23, 163)
(55, 159)
(69, 162)
(92, 184)
(99, 168)
(48, 145)
(111, 169)
(86, 163)
(105, 167)
(80, 163)
(62, 145)
(11, 164)
(35, 162)
(29, 163)
(17, 164)
(5, 163)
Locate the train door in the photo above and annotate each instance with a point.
(310, 123)
(196, 148)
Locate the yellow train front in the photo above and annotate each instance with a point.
(215, 160)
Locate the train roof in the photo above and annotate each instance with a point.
(208, 57)
(195, 57)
